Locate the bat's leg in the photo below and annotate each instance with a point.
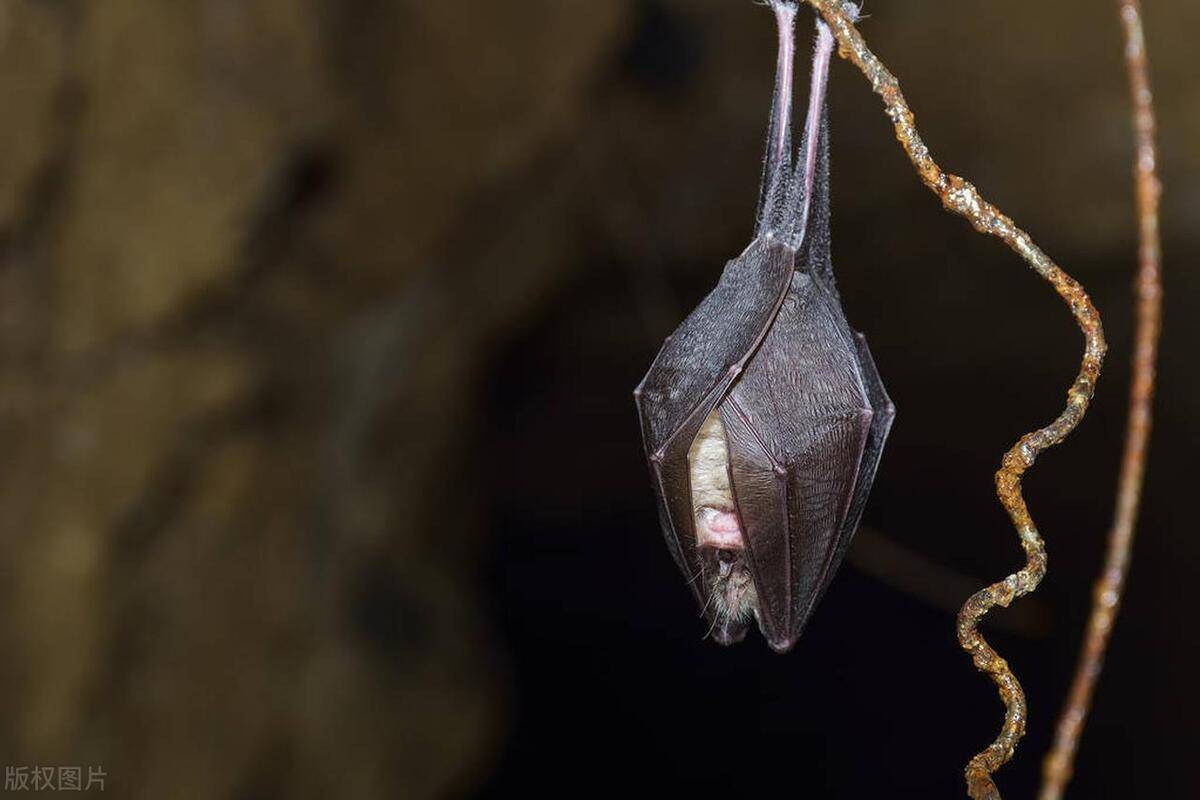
(777, 161)
(815, 244)
(815, 139)
(808, 203)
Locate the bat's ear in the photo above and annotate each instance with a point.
(775, 192)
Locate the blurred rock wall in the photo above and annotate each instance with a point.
(251, 260)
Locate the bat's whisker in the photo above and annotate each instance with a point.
(711, 627)
(711, 596)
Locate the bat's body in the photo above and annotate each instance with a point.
(763, 415)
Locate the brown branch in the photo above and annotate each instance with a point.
(1056, 770)
(962, 198)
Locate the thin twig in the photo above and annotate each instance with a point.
(962, 198)
(1056, 770)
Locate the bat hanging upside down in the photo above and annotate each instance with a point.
(763, 415)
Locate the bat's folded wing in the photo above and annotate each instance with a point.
(694, 369)
(881, 425)
(799, 423)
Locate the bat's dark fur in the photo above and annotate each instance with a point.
(804, 412)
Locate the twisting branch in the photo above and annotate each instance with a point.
(962, 198)
(1056, 770)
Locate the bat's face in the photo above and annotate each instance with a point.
(763, 415)
(728, 584)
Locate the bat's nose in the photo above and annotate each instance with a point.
(719, 529)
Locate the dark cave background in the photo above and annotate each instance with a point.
(319, 324)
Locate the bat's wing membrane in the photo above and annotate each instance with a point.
(797, 423)
(815, 254)
(694, 369)
(760, 492)
(881, 426)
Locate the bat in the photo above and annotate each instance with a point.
(763, 415)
